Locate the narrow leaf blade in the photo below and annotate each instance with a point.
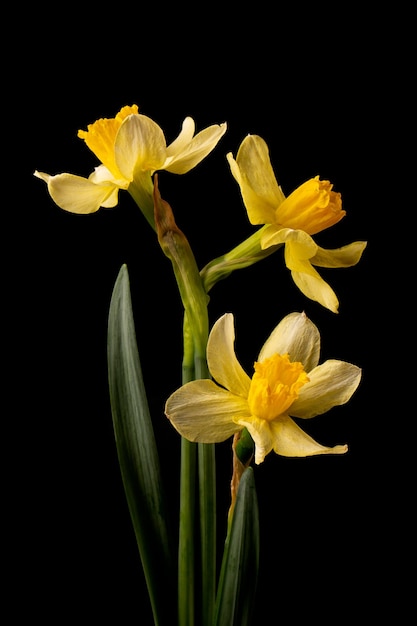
(240, 564)
(137, 453)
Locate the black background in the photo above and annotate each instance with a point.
(312, 91)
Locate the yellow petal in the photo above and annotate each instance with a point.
(303, 245)
(202, 411)
(346, 256)
(311, 284)
(102, 175)
(183, 140)
(79, 195)
(259, 188)
(262, 435)
(331, 384)
(140, 144)
(221, 358)
(297, 336)
(184, 154)
(291, 441)
(300, 249)
(100, 137)
(273, 235)
(285, 437)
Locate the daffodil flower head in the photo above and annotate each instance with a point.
(288, 382)
(131, 147)
(291, 221)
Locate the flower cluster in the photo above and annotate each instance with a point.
(260, 412)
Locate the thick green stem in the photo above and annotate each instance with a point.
(195, 300)
(141, 190)
(208, 516)
(196, 368)
(186, 549)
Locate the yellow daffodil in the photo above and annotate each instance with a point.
(288, 381)
(292, 220)
(130, 147)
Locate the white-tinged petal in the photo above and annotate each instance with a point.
(112, 200)
(291, 441)
(184, 138)
(202, 411)
(221, 357)
(140, 144)
(286, 438)
(262, 435)
(296, 335)
(43, 176)
(79, 195)
(198, 148)
(103, 175)
(331, 384)
(346, 256)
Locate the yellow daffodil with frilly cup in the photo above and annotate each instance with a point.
(288, 383)
(292, 220)
(130, 147)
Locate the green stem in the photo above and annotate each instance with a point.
(243, 255)
(208, 517)
(195, 331)
(186, 552)
(141, 190)
(186, 556)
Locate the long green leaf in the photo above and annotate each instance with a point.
(138, 456)
(240, 564)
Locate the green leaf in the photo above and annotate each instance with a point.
(240, 565)
(138, 455)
